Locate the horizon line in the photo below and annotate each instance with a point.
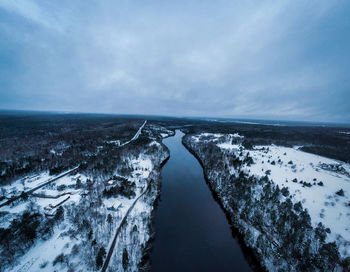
(207, 118)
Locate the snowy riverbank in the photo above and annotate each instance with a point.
(276, 215)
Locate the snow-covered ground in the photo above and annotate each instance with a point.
(292, 169)
(116, 142)
(26, 183)
(311, 179)
(69, 242)
(135, 234)
(94, 206)
(142, 167)
(30, 182)
(46, 205)
(42, 254)
(155, 131)
(266, 210)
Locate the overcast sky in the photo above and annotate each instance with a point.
(245, 59)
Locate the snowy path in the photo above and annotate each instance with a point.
(9, 201)
(136, 135)
(111, 248)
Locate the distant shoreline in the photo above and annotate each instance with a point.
(246, 121)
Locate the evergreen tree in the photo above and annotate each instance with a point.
(125, 259)
(99, 258)
(109, 219)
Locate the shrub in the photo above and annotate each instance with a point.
(43, 265)
(307, 184)
(125, 259)
(59, 213)
(285, 191)
(100, 255)
(24, 196)
(61, 187)
(59, 259)
(125, 189)
(340, 192)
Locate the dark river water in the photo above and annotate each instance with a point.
(192, 232)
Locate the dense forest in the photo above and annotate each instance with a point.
(54, 143)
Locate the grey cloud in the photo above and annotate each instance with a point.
(248, 59)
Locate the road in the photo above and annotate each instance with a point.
(9, 201)
(111, 248)
(137, 134)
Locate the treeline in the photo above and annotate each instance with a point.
(287, 237)
(125, 188)
(262, 204)
(324, 141)
(30, 144)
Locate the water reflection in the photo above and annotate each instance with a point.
(192, 232)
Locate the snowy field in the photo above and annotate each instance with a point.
(43, 252)
(26, 183)
(322, 185)
(46, 205)
(41, 255)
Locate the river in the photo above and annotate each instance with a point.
(192, 232)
